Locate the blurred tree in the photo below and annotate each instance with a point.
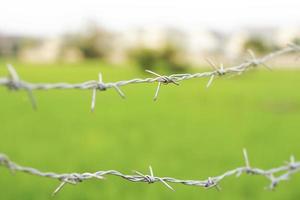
(146, 58)
(296, 41)
(166, 58)
(170, 57)
(258, 45)
(94, 42)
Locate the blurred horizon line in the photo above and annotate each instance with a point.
(151, 45)
(92, 23)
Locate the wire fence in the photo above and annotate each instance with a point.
(274, 175)
(285, 171)
(14, 82)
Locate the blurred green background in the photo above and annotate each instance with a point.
(189, 133)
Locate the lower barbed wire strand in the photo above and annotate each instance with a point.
(285, 171)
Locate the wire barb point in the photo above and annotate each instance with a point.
(59, 188)
(100, 85)
(210, 183)
(247, 162)
(15, 84)
(210, 81)
(161, 79)
(218, 70)
(119, 91)
(255, 61)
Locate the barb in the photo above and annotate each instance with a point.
(219, 71)
(284, 172)
(152, 179)
(162, 79)
(13, 82)
(100, 86)
(256, 61)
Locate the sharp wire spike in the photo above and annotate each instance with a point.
(213, 184)
(166, 184)
(212, 63)
(100, 77)
(294, 46)
(151, 171)
(138, 173)
(266, 66)
(222, 67)
(246, 158)
(154, 73)
(164, 78)
(160, 179)
(210, 81)
(176, 83)
(13, 73)
(32, 99)
(119, 91)
(93, 99)
(157, 91)
(253, 57)
(292, 159)
(239, 173)
(15, 78)
(218, 188)
(159, 83)
(251, 53)
(61, 185)
(94, 93)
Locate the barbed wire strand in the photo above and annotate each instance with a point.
(285, 171)
(14, 82)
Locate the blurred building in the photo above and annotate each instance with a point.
(287, 35)
(194, 44)
(45, 52)
(9, 45)
(152, 37)
(202, 43)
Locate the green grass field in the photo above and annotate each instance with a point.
(189, 133)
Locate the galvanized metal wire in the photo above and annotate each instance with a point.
(285, 171)
(274, 175)
(14, 82)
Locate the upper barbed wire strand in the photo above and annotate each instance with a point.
(285, 171)
(15, 83)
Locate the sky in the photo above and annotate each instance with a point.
(54, 17)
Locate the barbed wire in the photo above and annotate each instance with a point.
(285, 171)
(14, 82)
